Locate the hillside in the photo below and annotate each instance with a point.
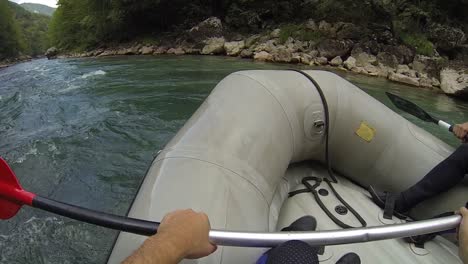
(38, 9)
(22, 33)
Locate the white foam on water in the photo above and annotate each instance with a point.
(70, 88)
(30, 220)
(94, 73)
(20, 159)
(32, 152)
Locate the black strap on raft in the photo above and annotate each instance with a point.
(313, 188)
(327, 122)
(389, 209)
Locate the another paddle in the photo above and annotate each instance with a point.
(417, 111)
(12, 197)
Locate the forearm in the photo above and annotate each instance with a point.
(156, 249)
(464, 252)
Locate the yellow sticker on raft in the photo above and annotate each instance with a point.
(366, 132)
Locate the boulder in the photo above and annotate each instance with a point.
(176, 51)
(326, 29)
(247, 53)
(311, 25)
(387, 59)
(382, 34)
(108, 53)
(263, 56)
(321, 61)
(213, 46)
(405, 70)
(275, 33)
(398, 77)
(282, 55)
(348, 31)
(435, 82)
(360, 70)
(363, 59)
(234, 48)
(296, 58)
(454, 82)
(190, 51)
(337, 61)
(268, 46)
(371, 70)
(132, 50)
(121, 51)
(383, 71)
(160, 50)
(446, 37)
(350, 63)
(429, 65)
(51, 53)
(370, 47)
(97, 52)
(306, 58)
(146, 50)
(314, 53)
(330, 48)
(425, 82)
(252, 40)
(403, 54)
(296, 45)
(209, 28)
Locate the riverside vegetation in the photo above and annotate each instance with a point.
(418, 42)
(23, 34)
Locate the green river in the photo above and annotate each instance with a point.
(84, 131)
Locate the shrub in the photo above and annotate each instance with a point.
(419, 42)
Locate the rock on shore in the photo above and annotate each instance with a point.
(454, 82)
(344, 48)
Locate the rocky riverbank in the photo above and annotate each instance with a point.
(339, 45)
(9, 62)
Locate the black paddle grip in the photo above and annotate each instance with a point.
(121, 223)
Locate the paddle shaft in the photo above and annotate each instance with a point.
(121, 223)
(116, 222)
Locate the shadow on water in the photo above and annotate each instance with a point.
(84, 131)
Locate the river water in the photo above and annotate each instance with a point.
(84, 131)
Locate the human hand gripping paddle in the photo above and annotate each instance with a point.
(12, 197)
(412, 109)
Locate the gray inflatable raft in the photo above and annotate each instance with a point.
(260, 133)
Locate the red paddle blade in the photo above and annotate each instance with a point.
(8, 183)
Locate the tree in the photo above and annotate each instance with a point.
(11, 43)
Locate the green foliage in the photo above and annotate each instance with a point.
(299, 32)
(419, 42)
(11, 42)
(21, 32)
(82, 24)
(33, 29)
